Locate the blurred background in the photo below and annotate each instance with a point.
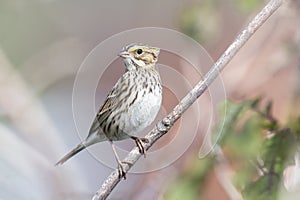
(44, 42)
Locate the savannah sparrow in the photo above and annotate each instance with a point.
(130, 106)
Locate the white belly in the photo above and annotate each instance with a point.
(142, 113)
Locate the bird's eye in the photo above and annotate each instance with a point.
(139, 51)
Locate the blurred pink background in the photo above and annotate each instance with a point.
(44, 42)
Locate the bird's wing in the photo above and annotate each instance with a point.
(102, 113)
(109, 104)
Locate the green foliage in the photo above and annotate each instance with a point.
(270, 148)
(203, 20)
(247, 6)
(257, 146)
(190, 182)
(200, 21)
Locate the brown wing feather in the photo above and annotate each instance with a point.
(109, 104)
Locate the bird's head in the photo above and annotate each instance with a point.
(136, 56)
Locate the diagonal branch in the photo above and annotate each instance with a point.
(163, 126)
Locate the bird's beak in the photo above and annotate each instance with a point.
(124, 54)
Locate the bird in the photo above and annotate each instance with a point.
(130, 106)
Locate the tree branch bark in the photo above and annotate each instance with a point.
(163, 126)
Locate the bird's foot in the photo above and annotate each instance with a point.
(139, 144)
(121, 168)
(122, 171)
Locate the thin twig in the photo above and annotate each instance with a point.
(163, 126)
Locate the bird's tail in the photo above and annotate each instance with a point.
(76, 150)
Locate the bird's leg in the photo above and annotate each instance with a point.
(122, 172)
(139, 144)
